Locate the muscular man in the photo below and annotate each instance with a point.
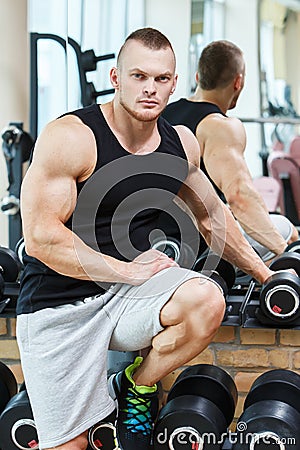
(220, 80)
(90, 202)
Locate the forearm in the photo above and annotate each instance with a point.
(68, 255)
(254, 218)
(224, 237)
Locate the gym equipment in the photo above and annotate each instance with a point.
(17, 427)
(103, 434)
(182, 253)
(8, 385)
(86, 62)
(280, 294)
(16, 146)
(10, 265)
(216, 268)
(20, 249)
(271, 414)
(293, 247)
(200, 406)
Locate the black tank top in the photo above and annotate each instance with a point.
(188, 113)
(116, 212)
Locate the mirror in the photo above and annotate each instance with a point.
(279, 69)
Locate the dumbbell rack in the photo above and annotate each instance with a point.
(9, 301)
(241, 306)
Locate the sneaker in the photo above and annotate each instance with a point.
(137, 409)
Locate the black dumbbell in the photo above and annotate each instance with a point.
(293, 247)
(216, 268)
(103, 435)
(200, 406)
(280, 294)
(17, 426)
(271, 415)
(20, 250)
(10, 265)
(2, 284)
(180, 252)
(8, 385)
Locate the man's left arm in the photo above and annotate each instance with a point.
(214, 219)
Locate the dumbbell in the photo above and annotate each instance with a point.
(10, 265)
(103, 435)
(20, 250)
(280, 294)
(200, 406)
(216, 268)
(181, 253)
(293, 247)
(17, 426)
(8, 385)
(271, 414)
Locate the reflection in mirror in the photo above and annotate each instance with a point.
(94, 29)
(279, 66)
(207, 24)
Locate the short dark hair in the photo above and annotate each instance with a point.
(219, 63)
(149, 37)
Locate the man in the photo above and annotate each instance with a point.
(220, 80)
(90, 202)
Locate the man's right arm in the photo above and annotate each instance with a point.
(65, 153)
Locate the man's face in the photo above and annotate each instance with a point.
(144, 80)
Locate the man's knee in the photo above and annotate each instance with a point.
(194, 314)
(198, 305)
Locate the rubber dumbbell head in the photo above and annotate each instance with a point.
(200, 404)
(20, 250)
(280, 297)
(1, 286)
(212, 263)
(278, 384)
(280, 294)
(208, 381)
(293, 247)
(268, 425)
(8, 385)
(169, 246)
(17, 426)
(271, 411)
(10, 265)
(287, 260)
(103, 435)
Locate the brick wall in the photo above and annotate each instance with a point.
(243, 352)
(246, 353)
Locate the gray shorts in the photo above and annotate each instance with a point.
(64, 351)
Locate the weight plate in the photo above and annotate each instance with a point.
(278, 384)
(276, 424)
(187, 421)
(210, 382)
(8, 385)
(9, 264)
(287, 260)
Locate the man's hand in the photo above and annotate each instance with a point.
(146, 265)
